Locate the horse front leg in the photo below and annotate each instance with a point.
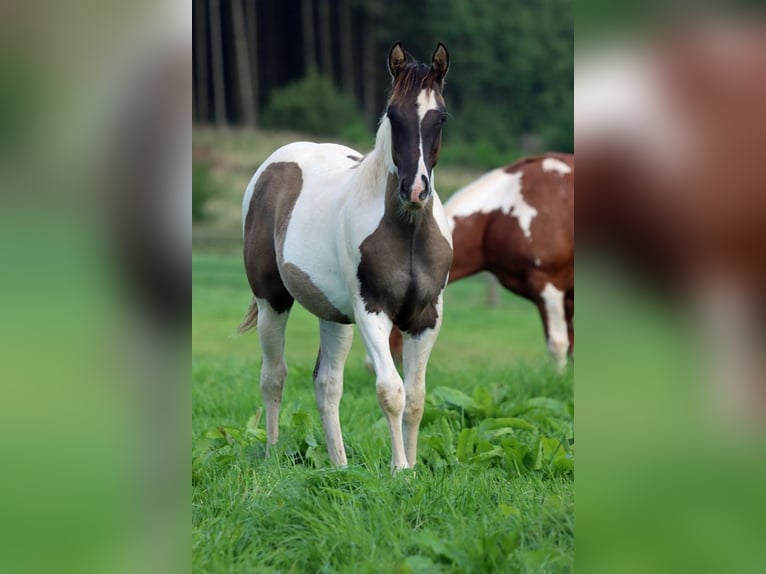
(374, 329)
(416, 351)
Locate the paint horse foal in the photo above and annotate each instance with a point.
(361, 240)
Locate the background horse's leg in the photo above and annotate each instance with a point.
(417, 350)
(334, 345)
(555, 319)
(375, 329)
(271, 333)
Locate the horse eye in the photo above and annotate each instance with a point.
(443, 118)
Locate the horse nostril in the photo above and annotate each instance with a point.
(424, 193)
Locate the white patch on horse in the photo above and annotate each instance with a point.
(426, 102)
(558, 335)
(327, 173)
(537, 262)
(497, 190)
(553, 164)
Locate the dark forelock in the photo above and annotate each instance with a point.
(413, 78)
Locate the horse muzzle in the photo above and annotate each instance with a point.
(415, 196)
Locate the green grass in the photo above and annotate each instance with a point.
(494, 488)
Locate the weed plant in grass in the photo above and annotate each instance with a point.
(493, 490)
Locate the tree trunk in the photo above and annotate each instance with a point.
(219, 85)
(325, 38)
(309, 56)
(346, 55)
(251, 18)
(243, 63)
(201, 72)
(369, 93)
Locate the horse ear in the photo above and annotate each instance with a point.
(440, 62)
(397, 58)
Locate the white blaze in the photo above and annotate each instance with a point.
(553, 164)
(497, 190)
(425, 102)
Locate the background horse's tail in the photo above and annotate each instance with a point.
(251, 318)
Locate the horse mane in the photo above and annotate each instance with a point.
(376, 164)
(414, 77)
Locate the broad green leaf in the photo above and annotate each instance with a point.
(484, 401)
(252, 423)
(506, 422)
(214, 433)
(453, 397)
(496, 452)
(483, 445)
(563, 465)
(300, 420)
(418, 565)
(310, 440)
(510, 541)
(553, 405)
(448, 439)
(507, 510)
(435, 544)
(465, 443)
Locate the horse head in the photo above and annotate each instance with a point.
(416, 112)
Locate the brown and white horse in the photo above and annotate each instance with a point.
(355, 240)
(517, 222)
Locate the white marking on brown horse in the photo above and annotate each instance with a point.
(558, 339)
(497, 190)
(553, 164)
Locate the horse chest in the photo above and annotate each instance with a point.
(403, 270)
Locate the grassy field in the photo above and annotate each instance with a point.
(494, 488)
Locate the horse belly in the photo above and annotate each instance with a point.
(320, 293)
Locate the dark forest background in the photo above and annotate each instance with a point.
(319, 66)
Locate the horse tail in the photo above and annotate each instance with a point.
(251, 318)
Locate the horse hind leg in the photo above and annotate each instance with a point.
(335, 343)
(554, 317)
(271, 333)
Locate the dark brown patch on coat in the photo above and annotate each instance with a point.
(271, 204)
(404, 265)
(308, 294)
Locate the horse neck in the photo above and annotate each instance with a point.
(374, 171)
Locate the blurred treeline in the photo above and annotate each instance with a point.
(319, 66)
